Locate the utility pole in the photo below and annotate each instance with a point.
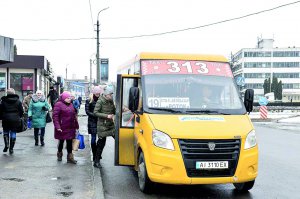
(98, 55)
(66, 72)
(98, 51)
(91, 63)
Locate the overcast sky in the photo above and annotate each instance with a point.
(73, 19)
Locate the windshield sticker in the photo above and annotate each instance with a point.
(169, 102)
(201, 118)
(185, 67)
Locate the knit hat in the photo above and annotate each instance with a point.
(97, 90)
(10, 91)
(109, 89)
(65, 95)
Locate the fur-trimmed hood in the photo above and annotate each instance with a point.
(36, 99)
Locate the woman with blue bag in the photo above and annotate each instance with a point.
(37, 112)
(65, 125)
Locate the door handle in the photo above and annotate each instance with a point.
(141, 131)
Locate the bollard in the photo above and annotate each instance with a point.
(263, 112)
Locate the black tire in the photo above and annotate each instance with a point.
(145, 183)
(244, 187)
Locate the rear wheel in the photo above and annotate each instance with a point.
(145, 183)
(245, 186)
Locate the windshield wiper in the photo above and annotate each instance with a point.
(207, 111)
(166, 109)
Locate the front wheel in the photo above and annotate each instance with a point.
(145, 183)
(245, 186)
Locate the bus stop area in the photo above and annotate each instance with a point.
(34, 172)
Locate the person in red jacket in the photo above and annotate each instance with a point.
(65, 125)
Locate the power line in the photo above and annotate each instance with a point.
(66, 39)
(91, 15)
(173, 31)
(202, 26)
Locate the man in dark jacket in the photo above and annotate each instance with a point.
(11, 111)
(53, 96)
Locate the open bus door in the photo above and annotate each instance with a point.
(125, 121)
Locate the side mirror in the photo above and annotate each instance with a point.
(248, 99)
(134, 95)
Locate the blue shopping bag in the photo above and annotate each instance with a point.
(29, 124)
(81, 141)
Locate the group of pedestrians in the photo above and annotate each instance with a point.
(99, 107)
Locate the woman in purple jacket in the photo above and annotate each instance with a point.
(65, 125)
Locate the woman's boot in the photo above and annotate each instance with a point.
(42, 141)
(70, 158)
(36, 138)
(59, 156)
(12, 144)
(6, 142)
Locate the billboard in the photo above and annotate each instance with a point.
(104, 69)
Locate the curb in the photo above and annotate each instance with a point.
(97, 179)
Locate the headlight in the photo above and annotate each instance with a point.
(162, 140)
(250, 140)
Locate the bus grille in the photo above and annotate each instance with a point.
(198, 150)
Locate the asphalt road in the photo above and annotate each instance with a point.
(279, 172)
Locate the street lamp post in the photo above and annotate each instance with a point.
(98, 51)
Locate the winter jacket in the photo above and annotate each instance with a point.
(103, 108)
(11, 111)
(26, 103)
(92, 119)
(53, 95)
(64, 118)
(36, 111)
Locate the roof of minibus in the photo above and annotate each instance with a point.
(177, 56)
(172, 56)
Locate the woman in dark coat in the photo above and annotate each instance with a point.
(65, 125)
(11, 111)
(92, 119)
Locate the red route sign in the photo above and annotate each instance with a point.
(185, 67)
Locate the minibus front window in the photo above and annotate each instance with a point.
(190, 94)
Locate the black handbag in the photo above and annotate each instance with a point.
(48, 118)
(23, 125)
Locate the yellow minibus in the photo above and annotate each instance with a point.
(181, 120)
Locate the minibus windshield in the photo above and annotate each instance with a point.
(191, 94)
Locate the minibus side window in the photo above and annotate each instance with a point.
(127, 117)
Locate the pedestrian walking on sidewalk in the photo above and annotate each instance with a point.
(53, 95)
(37, 112)
(11, 111)
(92, 119)
(75, 103)
(26, 103)
(105, 111)
(65, 125)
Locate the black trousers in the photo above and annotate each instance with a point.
(61, 145)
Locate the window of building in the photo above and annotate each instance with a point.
(258, 54)
(254, 86)
(286, 54)
(257, 75)
(22, 83)
(2, 84)
(286, 64)
(286, 75)
(257, 64)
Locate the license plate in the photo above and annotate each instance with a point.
(212, 165)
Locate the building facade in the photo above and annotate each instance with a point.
(26, 73)
(265, 61)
